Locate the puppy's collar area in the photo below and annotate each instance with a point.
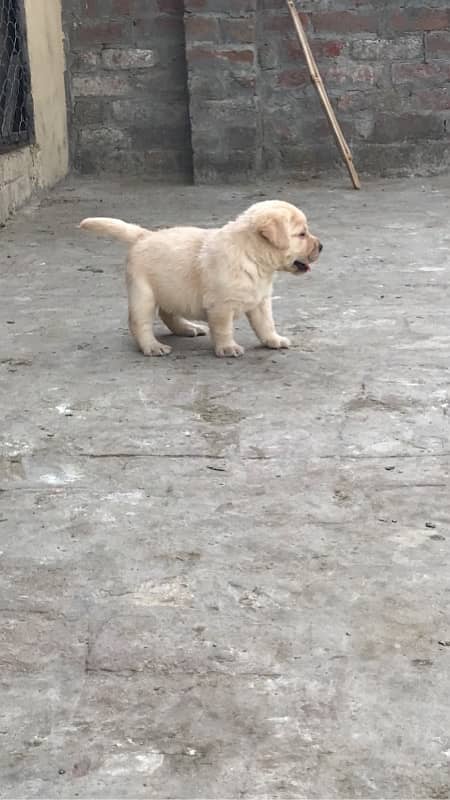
(301, 266)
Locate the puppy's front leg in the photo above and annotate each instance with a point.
(221, 326)
(261, 320)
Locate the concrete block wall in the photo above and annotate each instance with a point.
(220, 87)
(128, 87)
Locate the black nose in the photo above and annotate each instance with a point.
(320, 247)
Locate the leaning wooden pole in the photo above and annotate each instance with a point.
(324, 99)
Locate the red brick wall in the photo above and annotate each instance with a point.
(387, 71)
(253, 108)
(225, 111)
(128, 87)
(244, 105)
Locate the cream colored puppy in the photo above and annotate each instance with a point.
(214, 275)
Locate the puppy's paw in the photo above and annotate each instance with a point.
(157, 349)
(234, 350)
(278, 342)
(198, 330)
(189, 329)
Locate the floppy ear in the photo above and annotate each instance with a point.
(274, 229)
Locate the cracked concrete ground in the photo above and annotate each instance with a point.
(226, 579)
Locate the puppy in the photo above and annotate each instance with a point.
(215, 275)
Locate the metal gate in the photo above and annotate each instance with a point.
(15, 96)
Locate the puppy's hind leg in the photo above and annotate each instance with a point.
(180, 326)
(141, 314)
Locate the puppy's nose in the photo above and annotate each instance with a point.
(320, 247)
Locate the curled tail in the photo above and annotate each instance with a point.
(113, 227)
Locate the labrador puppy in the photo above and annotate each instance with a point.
(215, 275)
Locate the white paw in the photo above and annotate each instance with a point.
(157, 349)
(234, 350)
(198, 330)
(278, 342)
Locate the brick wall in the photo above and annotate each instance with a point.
(386, 67)
(244, 106)
(128, 87)
(225, 102)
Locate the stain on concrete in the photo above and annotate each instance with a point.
(214, 413)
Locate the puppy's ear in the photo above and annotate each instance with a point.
(274, 229)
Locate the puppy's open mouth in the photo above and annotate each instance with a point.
(301, 266)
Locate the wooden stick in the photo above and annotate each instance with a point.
(324, 99)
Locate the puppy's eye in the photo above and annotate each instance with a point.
(302, 235)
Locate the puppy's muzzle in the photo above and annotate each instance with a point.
(304, 266)
(301, 266)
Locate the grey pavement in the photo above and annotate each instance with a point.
(227, 579)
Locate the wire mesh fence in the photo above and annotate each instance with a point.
(15, 108)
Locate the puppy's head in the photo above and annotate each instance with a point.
(284, 236)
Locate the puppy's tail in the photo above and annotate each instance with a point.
(113, 227)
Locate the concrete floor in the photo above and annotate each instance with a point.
(227, 579)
